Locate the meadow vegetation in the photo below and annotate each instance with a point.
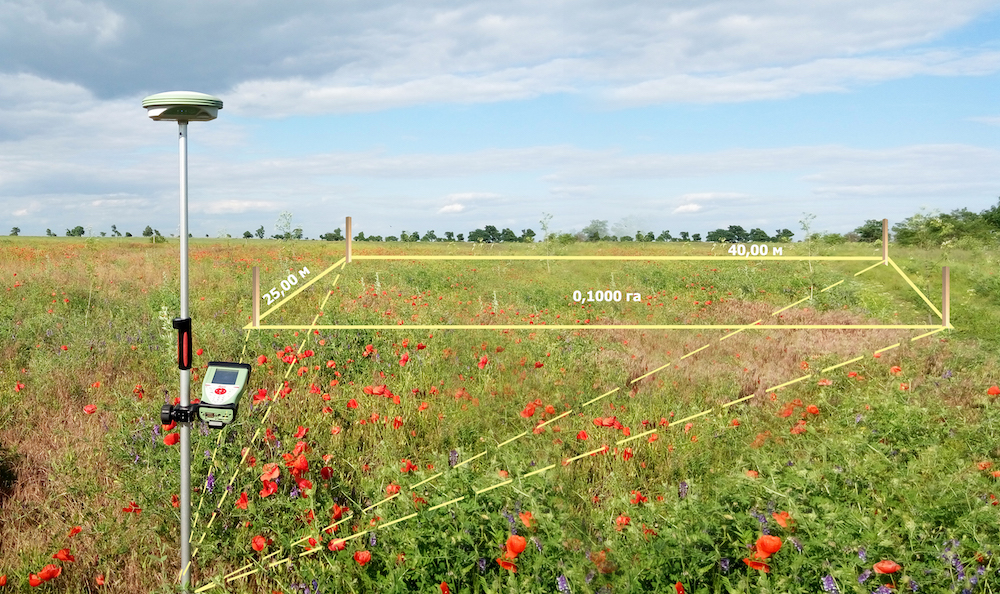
(895, 457)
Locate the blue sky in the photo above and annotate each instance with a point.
(434, 115)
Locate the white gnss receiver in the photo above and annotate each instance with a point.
(224, 385)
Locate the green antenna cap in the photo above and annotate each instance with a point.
(182, 106)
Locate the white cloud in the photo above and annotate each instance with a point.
(472, 196)
(990, 120)
(713, 196)
(687, 208)
(452, 208)
(235, 206)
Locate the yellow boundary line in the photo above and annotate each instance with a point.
(922, 296)
(537, 327)
(614, 258)
(340, 262)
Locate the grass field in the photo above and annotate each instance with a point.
(605, 484)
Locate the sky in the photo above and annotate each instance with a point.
(418, 115)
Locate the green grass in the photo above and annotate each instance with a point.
(892, 471)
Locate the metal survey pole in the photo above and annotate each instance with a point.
(183, 107)
(185, 374)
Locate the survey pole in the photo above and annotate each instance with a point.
(185, 390)
(945, 297)
(348, 225)
(885, 242)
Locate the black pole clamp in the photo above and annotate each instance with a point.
(183, 327)
(181, 414)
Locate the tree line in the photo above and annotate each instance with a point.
(923, 229)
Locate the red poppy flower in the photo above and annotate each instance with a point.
(984, 465)
(638, 498)
(421, 346)
(352, 403)
(627, 454)
(269, 488)
(74, 531)
(622, 521)
(63, 555)
(993, 390)
(538, 364)
(444, 588)
(527, 518)
(261, 360)
(397, 422)
(34, 581)
(301, 432)
(90, 409)
(757, 565)
(768, 545)
(64, 347)
(271, 472)
(529, 410)
(258, 543)
(404, 359)
(782, 518)
(507, 564)
(886, 566)
(483, 361)
(895, 370)
(175, 500)
(813, 409)
(408, 466)
(392, 489)
(753, 473)
(242, 501)
(362, 557)
(679, 587)
(49, 572)
(200, 352)
(133, 508)
(515, 545)
(337, 544)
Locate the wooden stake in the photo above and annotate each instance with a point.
(348, 240)
(256, 297)
(945, 297)
(885, 242)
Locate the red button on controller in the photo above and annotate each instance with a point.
(220, 390)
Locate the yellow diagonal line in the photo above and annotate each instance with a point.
(922, 296)
(740, 330)
(869, 268)
(302, 288)
(634, 437)
(506, 482)
(552, 420)
(593, 400)
(788, 383)
(695, 351)
(426, 480)
(533, 472)
(483, 453)
(831, 286)
(456, 500)
(390, 498)
(842, 364)
(738, 400)
(516, 437)
(928, 334)
(694, 416)
(888, 348)
(396, 521)
(574, 458)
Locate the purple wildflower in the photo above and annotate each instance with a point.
(562, 584)
(724, 564)
(294, 493)
(864, 576)
(452, 458)
(372, 540)
(829, 585)
(590, 577)
(682, 490)
(862, 554)
(482, 565)
(210, 483)
(913, 585)
(538, 543)
(883, 589)
(798, 545)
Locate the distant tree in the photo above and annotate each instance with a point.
(429, 236)
(103, 233)
(115, 232)
(492, 234)
(460, 237)
(717, 235)
(127, 234)
(478, 236)
(335, 236)
(360, 236)
(596, 230)
(374, 238)
(783, 235)
(870, 231)
(15, 231)
(739, 234)
(283, 226)
(147, 232)
(757, 234)
(260, 232)
(685, 236)
(247, 235)
(664, 236)
(696, 237)
(508, 236)
(625, 238)
(392, 238)
(77, 231)
(49, 233)
(527, 236)
(991, 216)
(449, 235)
(297, 233)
